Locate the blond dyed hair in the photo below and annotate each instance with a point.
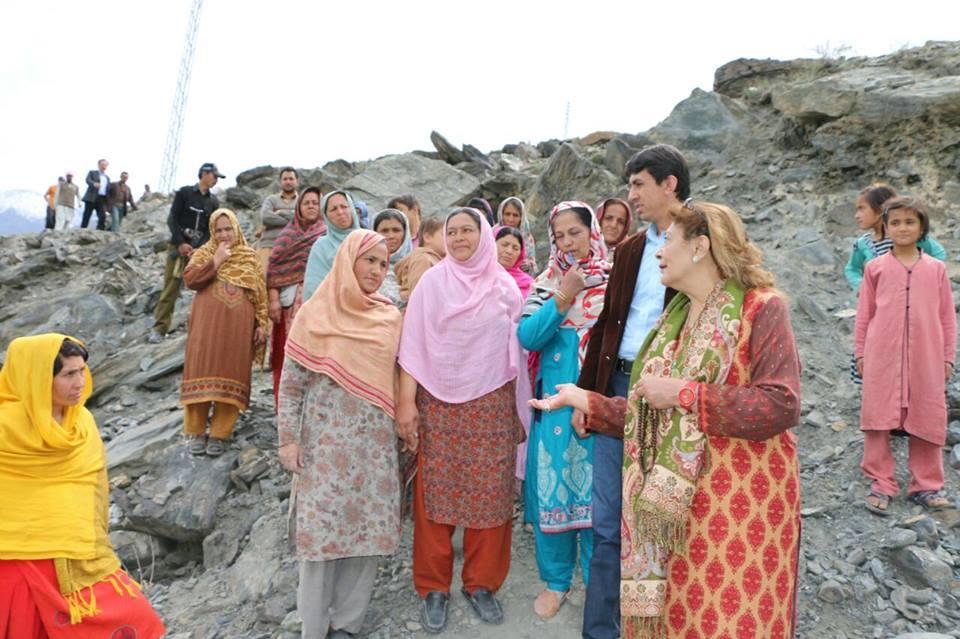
(734, 254)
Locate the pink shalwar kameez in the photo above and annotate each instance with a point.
(906, 330)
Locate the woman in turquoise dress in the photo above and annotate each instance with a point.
(562, 307)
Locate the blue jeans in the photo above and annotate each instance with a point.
(601, 613)
(116, 217)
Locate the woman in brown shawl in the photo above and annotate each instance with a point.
(288, 262)
(226, 331)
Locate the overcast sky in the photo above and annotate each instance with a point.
(305, 82)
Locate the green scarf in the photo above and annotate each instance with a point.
(664, 450)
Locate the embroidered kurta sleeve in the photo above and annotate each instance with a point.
(535, 331)
(606, 415)
(198, 277)
(948, 319)
(294, 380)
(770, 404)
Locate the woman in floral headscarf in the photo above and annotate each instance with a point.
(565, 302)
(225, 335)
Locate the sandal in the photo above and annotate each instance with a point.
(215, 447)
(930, 499)
(197, 444)
(881, 505)
(547, 604)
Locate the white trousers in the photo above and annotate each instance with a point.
(64, 217)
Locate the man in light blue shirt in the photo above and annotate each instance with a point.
(659, 180)
(647, 302)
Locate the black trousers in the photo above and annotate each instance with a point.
(100, 206)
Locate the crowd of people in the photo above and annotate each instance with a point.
(637, 390)
(110, 200)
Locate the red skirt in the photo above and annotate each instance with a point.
(31, 606)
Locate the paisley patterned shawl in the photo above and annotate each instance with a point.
(664, 450)
(588, 303)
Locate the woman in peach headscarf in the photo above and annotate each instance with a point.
(337, 437)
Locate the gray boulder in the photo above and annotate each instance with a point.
(617, 154)
(132, 448)
(701, 122)
(448, 152)
(438, 185)
(923, 566)
(244, 198)
(178, 497)
(569, 175)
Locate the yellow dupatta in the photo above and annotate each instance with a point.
(54, 495)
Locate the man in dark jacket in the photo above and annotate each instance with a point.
(659, 179)
(95, 197)
(118, 198)
(189, 223)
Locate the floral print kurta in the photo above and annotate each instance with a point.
(346, 500)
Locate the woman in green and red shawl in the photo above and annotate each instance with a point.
(711, 490)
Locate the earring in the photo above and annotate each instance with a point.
(696, 258)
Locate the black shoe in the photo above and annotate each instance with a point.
(485, 605)
(433, 612)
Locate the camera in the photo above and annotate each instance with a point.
(194, 237)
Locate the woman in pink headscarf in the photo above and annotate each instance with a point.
(512, 255)
(462, 388)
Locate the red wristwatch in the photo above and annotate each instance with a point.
(688, 396)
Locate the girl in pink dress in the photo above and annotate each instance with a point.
(905, 346)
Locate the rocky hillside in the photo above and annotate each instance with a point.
(787, 144)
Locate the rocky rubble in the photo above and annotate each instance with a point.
(787, 144)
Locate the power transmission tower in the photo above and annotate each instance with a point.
(171, 151)
(566, 121)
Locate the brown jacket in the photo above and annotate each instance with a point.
(606, 334)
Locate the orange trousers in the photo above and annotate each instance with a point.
(486, 552)
(31, 606)
(221, 424)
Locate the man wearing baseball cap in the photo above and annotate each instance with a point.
(189, 222)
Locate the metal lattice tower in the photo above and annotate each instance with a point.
(171, 151)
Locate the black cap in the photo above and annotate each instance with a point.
(210, 167)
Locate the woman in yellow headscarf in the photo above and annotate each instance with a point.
(226, 332)
(59, 576)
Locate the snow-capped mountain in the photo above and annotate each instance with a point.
(21, 211)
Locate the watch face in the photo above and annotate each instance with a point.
(686, 397)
